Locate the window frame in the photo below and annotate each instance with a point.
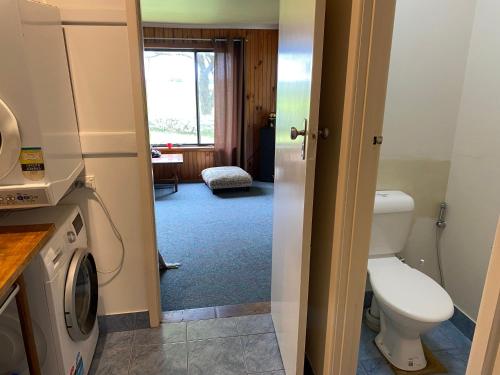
(198, 135)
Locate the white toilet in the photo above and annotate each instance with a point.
(408, 301)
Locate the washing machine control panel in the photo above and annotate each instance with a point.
(12, 198)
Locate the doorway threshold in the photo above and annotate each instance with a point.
(227, 311)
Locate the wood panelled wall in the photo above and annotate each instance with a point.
(261, 60)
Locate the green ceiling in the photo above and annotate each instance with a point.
(212, 12)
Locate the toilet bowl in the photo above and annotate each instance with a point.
(410, 303)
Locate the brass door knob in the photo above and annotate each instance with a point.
(294, 133)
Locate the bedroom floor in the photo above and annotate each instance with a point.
(224, 243)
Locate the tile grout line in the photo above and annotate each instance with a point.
(132, 345)
(187, 348)
(242, 342)
(223, 337)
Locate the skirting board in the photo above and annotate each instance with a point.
(464, 324)
(123, 322)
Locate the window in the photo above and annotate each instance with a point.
(180, 96)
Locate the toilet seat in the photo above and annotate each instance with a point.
(408, 291)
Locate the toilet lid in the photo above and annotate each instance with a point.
(409, 291)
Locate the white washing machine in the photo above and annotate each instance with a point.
(62, 291)
(40, 153)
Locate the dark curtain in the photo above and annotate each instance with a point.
(229, 83)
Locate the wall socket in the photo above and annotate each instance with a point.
(87, 181)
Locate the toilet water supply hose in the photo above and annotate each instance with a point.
(440, 225)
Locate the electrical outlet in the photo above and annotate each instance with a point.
(87, 181)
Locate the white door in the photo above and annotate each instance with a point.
(299, 74)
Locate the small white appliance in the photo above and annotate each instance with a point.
(40, 154)
(407, 301)
(62, 293)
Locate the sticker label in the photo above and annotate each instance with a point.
(79, 365)
(77, 368)
(32, 165)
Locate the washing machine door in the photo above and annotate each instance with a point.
(10, 140)
(80, 295)
(12, 353)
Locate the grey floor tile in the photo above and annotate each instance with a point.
(360, 370)
(162, 359)
(437, 339)
(114, 361)
(211, 328)
(459, 339)
(367, 347)
(221, 356)
(377, 366)
(280, 372)
(455, 360)
(445, 337)
(166, 333)
(109, 341)
(253, 324)
(262, 353)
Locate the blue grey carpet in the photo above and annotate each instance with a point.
(223, 241)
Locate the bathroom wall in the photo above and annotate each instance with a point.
(474, 182)
(442, 135)
(428, 60)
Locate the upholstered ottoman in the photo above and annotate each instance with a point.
(224, 178)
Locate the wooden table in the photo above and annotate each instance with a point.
(167, 163)
(18, 245)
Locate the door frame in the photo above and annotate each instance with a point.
(371, 35)
(484, 358)
(368, 59)
(134, 28)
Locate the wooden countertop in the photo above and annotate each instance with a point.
(18, 245)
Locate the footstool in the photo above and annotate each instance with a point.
(224, 178)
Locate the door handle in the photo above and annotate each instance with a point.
(294, 133)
